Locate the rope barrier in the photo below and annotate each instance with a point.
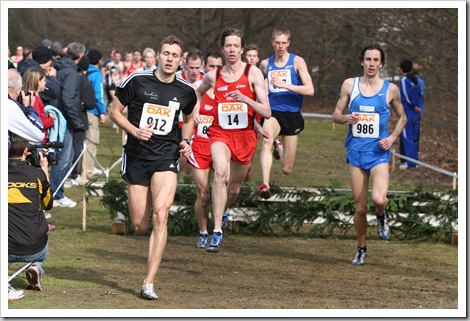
(435, 168)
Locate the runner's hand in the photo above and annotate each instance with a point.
(144, 133)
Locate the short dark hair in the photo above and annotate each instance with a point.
(94, 55)
(373, 46)
(18, 144)
(194, 54)
(232, 32)
(215, 53)
(406, 65)
(252, 46)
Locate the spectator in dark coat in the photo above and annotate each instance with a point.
(70, 106)
(87, 101)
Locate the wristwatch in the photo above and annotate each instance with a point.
(187, 141)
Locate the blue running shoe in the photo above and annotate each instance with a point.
(202, 242)
(361, 254)
(225, 221)
(383, 229)
(216, 242)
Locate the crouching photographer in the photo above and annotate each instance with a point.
(29, 194)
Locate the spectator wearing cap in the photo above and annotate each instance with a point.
(87, 101)
(42, 58)
(56, 48)
(97, 115)
(47, 43)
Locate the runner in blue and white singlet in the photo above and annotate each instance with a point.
(367, 100)
(288, 81)
(374, 113)
(282, 99)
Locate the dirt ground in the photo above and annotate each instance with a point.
(297, 273)
(253, 273)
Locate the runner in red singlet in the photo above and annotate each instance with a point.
(240, 92)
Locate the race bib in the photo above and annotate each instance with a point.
(233, 115)
(368, 125)
(284, 75)
(203, 126)
(161, 116)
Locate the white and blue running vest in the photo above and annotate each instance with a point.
(281, 99)
(374, 114)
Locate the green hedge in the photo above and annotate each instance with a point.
(294, 217)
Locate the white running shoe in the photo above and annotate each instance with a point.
(97, 171)
(78, 181)
(361, 254)
(14, 294)
(65, 202)
(68, 183)
(147, 292)
(383, 229)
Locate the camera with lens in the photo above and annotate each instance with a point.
(20, 98)
(47, 150)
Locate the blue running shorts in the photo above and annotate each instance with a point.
(367, 160)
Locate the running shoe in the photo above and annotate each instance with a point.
(383, 229)
(33, 275)
(361, 254)
(404, 166)
(277, 147)
(97, 171)
(216, 242)
(225, 221)
(65, 202)
(202, 242)
(68, 183)
(147, 292)
(264, 191)
(14, 294)
(78, 181)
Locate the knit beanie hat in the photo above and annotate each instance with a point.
(42, 54)
(84, 63)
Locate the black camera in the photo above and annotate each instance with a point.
(20, 98)
(47, 150)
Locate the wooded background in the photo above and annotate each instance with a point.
(330, 40)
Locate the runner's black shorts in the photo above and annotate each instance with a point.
(138, 171)
(291, 123)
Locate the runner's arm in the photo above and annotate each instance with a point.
(338, 115)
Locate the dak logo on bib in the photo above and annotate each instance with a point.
(203, 126)
(284, 75)
(161, 116)
(233, 115)
(367, 126)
